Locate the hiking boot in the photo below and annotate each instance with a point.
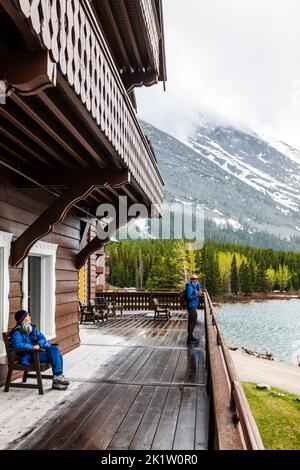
(60, 379)
(59, 386)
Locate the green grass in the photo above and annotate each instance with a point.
(277, 418)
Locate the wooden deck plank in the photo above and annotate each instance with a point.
(153, 360)
(180, 372)
(202, 420)
(67, 420)
(158, 368)
(186, 424)
(147, 428)
(169, 370)
(129, 426)
(79, 438)
(108, 428)
(121, 405)
(127, 364)
(132, 369)
(165, 432)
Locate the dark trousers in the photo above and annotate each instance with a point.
(192, 321)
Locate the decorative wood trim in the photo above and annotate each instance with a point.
(5, 243)
(81, 188)
(139, 79)
(28, 72)
(47, 252)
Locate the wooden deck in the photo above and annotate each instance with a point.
(151, 394)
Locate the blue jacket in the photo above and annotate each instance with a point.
(20, 338)
(191, 294)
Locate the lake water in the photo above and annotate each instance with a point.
(272, 326)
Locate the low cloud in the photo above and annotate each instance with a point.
(238, 61)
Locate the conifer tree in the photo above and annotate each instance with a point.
(261, 278)
(234, 277)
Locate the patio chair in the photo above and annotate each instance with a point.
(88, 313)
(13, 364)
(102, 307)
(100, 311)
(161, 310)
(115, 307)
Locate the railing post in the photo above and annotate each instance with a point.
(151, 300)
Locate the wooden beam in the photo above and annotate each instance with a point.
(131, 35)
(53, 129)
(32, 131)
(95, 244)
(138, 8)
(88, 250)
(115, 29)
(81, 187)
(28, 72)
(69, 120)
(99, 178)
(19, 19)
(88, 120)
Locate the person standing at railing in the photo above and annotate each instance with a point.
(193, 291)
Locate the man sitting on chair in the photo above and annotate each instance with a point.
(25, 335)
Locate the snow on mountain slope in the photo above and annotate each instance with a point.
(246, 182)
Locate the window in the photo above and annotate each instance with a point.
(5, 242)
(34, 289)
(39, 286)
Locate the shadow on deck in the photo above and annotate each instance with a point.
(149, 394)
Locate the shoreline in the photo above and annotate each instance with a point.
(259, 297)
(274, 373)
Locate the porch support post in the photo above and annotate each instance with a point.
(95, 244)
(88, 250)
(81, 188)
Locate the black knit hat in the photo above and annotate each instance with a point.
(20, 315)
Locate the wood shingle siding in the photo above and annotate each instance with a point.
(19, 207)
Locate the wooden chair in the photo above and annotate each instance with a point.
(115, 307)
(88, 313)
(13, 364)
(161, 310)
(100, 310)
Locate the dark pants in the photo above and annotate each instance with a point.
(192, 321)
(52, 355)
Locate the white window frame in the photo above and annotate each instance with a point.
(47, 253)
(5, 243)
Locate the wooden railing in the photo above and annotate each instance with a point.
(233, 425)
(143, 300)
(70, 31)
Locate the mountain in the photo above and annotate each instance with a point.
(249, 184)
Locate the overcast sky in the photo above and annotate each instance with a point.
(238, 60)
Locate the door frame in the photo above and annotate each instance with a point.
(5, 244)
(47, 253)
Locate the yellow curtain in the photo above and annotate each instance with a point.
(82, 284)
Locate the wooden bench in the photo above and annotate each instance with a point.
(161, 310)
(88, 312)
(13, 364)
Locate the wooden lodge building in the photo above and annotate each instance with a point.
(69, 141)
